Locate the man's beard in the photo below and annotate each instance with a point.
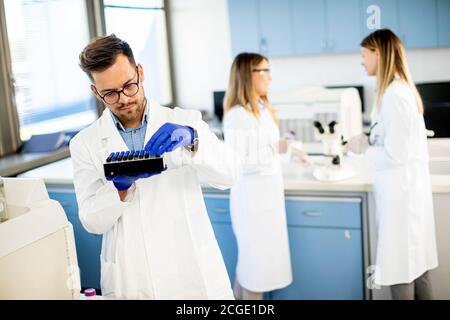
(133, 114)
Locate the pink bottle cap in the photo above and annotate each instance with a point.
(89, 292)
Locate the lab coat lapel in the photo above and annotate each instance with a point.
(155, 119)
(112, 141)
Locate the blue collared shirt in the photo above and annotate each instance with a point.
(134, 138)
(261, 105)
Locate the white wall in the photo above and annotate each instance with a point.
(202, 50)
(203, 57)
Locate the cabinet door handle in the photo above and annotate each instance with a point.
(330, 44)
(220, 210)
(263, 45)
(312, 214)
(347, 234)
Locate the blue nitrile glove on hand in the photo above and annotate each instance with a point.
(123, 183)
(168, 138)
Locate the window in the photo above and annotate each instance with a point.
(51, 91)
(142, 24)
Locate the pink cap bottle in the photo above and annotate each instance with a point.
(89, 292)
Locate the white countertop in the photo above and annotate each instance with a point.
(59, 172)
(299, 177)
(296, 177)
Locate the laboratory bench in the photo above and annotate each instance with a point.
(326, 234)
(14, 164)
(329, 225)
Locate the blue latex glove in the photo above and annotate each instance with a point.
(168, 138)
(123, 183)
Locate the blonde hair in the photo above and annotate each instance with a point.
(240, 87)
(392, 63)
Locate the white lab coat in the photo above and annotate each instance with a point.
(159, 243)
(406, 245)
(257, 205)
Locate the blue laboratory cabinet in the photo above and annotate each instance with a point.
(326, 243)
(244, 25)
(88, 245)
(383, 12)
(218, 207)
(418, 23)
(443, 12)
(294, 27)
(343, 24)
(278, 28)
(325, 237)
(262, 26)
(275, 28)
(310, 34)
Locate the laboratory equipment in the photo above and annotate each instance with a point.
(298, 108)
(331, 139)
(37, 248)
(131, 163)
(3, 207)
(331, 166)
(90, 292)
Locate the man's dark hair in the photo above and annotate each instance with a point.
(101, 54)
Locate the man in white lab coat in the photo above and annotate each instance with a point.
(158, 242)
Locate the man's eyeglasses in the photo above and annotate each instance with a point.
(130, 90)
(261, 71)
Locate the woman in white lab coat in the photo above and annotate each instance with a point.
(257, 201)
(397, 150)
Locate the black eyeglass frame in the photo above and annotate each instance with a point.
(267, 70)
(118, 92)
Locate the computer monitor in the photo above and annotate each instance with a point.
(436, 103)
(218, 103)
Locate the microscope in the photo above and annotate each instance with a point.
(332, 141)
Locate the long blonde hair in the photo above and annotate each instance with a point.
(392, 63)
(240, 87)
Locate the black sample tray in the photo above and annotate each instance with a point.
(135, 166)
